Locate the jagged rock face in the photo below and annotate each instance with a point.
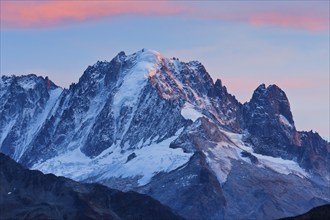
(192, 190)
(229, 108)
(268, 189)
(29, 194)
(26, 102)
(160, 126)
(199, 136)
(268, 117)
(71, 122)
(316, 153)
(181, 83)
(269, 120)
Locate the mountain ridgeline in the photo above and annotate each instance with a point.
(163, 127)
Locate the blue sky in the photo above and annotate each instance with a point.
(284, 43)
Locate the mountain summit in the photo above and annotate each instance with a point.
(163, 127)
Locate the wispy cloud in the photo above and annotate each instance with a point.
(317, 23)
(44, 14)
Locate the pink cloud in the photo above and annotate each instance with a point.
(311, 23)
(43, 14)
(51, 13)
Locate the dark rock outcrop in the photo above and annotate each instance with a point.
(317, 213)
(269, 121)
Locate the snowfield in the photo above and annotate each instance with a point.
(220, 158)
(189, 112)
(151, 158)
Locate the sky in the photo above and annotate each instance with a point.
(243, 43)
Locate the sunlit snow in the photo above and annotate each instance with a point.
(135, 79)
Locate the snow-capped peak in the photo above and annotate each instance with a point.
(146, 51)
(145, 64)
(148, 59)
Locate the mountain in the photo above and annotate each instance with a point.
(320, 212)
(29, 194)
(163, 127)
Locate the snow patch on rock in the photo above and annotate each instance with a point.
(219, 158)
(284, 121)
(189, 112)
(27, 83)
